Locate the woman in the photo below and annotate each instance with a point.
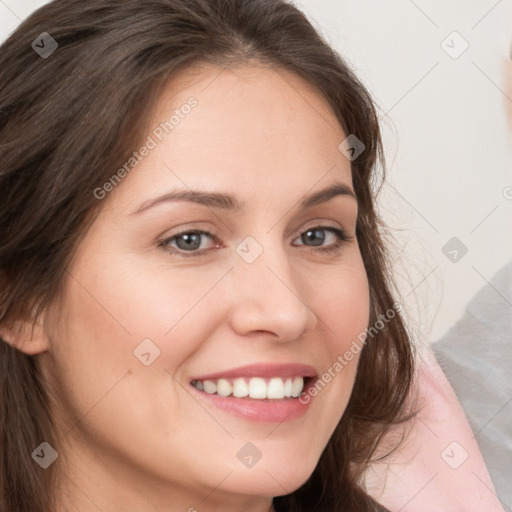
(170, 339)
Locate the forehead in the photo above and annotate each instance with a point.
(256, 101)
(253, 125)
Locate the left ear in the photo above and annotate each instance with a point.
(28, 337)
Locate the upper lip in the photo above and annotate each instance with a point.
(263, 370)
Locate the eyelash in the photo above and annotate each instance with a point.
(341, 235)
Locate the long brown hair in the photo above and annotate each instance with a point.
(69, 118)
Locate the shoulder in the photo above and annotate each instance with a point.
(439, 465)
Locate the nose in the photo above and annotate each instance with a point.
(268, 297)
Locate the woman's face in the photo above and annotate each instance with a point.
(147, 312)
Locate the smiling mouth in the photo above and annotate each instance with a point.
(255, 388)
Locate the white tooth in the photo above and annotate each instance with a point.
(240, 388)
(199, 385)
(288, 388)
(209, 387)
(275, 388)
(298, 384)
(224, 388)
(257, 388)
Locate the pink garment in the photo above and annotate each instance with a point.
(439, 467)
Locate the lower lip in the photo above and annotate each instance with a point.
(263, 410)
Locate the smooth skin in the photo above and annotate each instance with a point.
(134, 437)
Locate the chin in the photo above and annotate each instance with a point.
(276, 479)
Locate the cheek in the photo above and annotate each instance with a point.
(345, 307)
(345, 311)
(122, 332)
(91, 349)
(120, 305)
(102, 384)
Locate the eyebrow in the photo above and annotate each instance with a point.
(231, 202)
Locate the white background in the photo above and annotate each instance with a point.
(446, 134)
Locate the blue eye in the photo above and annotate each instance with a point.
(317, 233)
(189, 242)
